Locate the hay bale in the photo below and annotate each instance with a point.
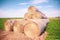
(34, 13)
(9, 25)
(19, 26)
(35, 27)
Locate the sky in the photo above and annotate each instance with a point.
(17, 8)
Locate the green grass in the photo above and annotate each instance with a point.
(53, 28)
(2, 20)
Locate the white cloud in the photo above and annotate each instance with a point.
(47, 6)
(24, 3)
(52, 12)
(33, 2)
(50, 6)
(38, 1)
(12, 13)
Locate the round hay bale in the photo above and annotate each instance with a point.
(35, 27)
(9, 25)
(19, 26)
(32, 15)
(32, 8)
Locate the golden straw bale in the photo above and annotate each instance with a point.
(34, 27)
(9, 25)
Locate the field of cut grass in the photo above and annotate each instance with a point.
(53, 28)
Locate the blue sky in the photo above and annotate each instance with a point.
(17, 8)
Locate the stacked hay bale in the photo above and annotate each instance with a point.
(37, 22)
(32, 25)
(13, 25)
